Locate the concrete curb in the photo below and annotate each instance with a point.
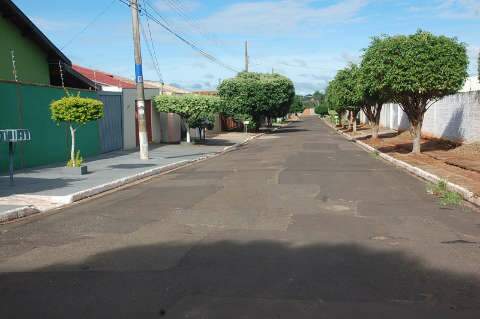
(62, 201)
(17, 213)
(467, 195)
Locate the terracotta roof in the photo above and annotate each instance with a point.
(107, 79)
(167, 87)
(206, 92)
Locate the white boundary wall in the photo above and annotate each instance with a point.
(455, 117)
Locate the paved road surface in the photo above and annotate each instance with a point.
(298, 224)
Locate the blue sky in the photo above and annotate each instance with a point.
(306, 40)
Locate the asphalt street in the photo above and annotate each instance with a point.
(300, 223)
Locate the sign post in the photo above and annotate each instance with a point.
(11, 137)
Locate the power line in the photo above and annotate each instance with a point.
(179, 9)
(153, 51)
(191, 44)
(98, 16)
(153, 56)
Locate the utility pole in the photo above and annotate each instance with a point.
(246, 56)
(140, 104)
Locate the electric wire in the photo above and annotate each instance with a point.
(88, 25)
(180, 37)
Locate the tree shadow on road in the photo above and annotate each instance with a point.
(231, 279)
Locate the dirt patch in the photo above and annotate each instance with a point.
(456, 163)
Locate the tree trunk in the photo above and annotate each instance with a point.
(417, 135)
(188, 133)
(376, 123)
(375, 129)
(72, 150)
(354, 118)
(350, 115)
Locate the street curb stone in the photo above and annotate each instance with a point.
(467, 195)
(17, 213)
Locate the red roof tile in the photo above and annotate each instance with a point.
(106, 79)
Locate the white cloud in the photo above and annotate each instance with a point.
(280, 17)
(454, 9)
(460, 8)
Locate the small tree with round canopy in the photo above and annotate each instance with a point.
(195, 109)
(416, 71)
(76, 111)
(344, 93)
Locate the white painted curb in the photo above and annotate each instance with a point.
(466, 194)
(16, 213)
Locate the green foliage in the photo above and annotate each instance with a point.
(76, 110)
(77, 161)
(420, 65)
(447, 197)
(297, 105)
(257, 94)
(415, 71)
(321, 109)
(344, 91)
(333, 117)
(197, 110)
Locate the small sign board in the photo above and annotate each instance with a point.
(12, 136)
(15, 135)
(246, 122)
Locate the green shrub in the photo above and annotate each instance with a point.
(77, 162)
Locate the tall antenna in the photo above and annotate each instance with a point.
(246, 56)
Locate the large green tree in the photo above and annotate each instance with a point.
(372, 83)
(416, 71)
(344, 94)
(252, 96)
(195, 109)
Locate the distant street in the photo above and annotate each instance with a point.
(300, 223)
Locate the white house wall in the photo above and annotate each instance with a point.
(165, 128)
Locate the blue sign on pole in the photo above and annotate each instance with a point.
(138, 73)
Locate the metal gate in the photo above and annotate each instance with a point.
(111, 125)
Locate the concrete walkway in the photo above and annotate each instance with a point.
(300, 223)
(48, 187)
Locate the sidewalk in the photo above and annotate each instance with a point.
(45, 188)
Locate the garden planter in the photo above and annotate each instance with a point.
(82, 170)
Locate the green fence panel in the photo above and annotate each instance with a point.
(27, 106)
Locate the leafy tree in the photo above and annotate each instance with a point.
(197, 110)
(344, 93)
(297, 105)
(331, 99)
(321, 109)
(416, 71)
(372, 83)
(76, 111)
(253, 95)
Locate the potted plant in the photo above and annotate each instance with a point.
(76, 111)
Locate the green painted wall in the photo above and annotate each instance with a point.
(27, 106)
(31, 61)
